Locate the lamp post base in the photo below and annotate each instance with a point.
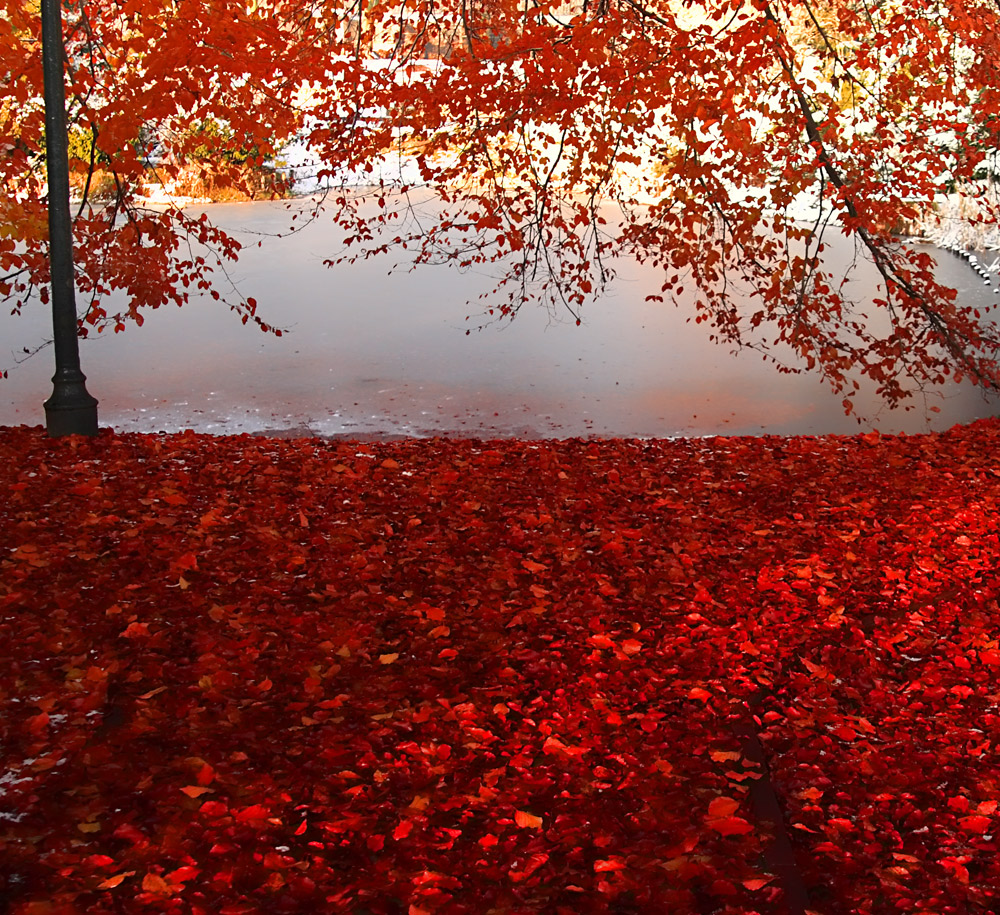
(71, 410)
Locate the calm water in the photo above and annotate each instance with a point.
(368, 353)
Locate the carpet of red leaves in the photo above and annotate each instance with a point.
(242, 675)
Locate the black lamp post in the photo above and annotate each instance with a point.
(70, 410)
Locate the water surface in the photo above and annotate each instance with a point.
(367, 353)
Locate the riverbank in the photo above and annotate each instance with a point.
(508, 676)
(193, 185)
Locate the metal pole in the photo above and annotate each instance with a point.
(70, 410)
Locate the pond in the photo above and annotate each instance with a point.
(373, 354)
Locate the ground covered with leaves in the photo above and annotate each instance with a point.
(243, 675)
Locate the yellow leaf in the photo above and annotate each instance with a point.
(387, 658)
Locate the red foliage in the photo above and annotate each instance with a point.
(447, 676)
(543, 142)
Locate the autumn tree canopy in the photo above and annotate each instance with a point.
(554, 137)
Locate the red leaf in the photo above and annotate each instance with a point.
(990, 656)
(38, 723)
(186, 561)
(722, 807)
(601, 641)
(730, 826)
(187, 872)
(205, 776)
(255, 813)
(213, 809)
(975, 823)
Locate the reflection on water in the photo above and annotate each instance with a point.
(372, 354)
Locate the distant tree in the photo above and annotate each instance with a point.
(554, 137)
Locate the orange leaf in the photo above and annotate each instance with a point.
(195, 790)
(112, 882)
(527, 820)
(152, 883)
